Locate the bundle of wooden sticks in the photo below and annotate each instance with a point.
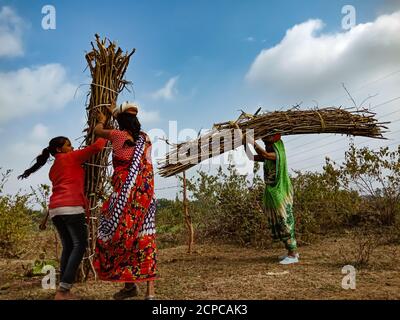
(294, 121)
(107, 64)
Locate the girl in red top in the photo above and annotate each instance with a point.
(67, 203)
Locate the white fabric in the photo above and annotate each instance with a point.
(125, 106)
(66, 211)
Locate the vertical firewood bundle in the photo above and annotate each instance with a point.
(107, 64)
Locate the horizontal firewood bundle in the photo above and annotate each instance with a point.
(294, 121)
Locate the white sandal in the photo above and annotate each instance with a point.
(290, 260)
(282, 257)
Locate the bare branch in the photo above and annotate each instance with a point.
(350, 96)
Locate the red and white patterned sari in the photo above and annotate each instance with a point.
(126, 248)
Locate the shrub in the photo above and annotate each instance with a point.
(15, 220)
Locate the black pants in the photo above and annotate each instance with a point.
(73, 233)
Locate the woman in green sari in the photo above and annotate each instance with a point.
(278, 193)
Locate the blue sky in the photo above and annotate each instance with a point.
(194, 64)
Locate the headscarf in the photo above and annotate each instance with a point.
(125, 106)
(281, 193)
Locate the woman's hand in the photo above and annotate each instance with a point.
(101, 118)
(99, 128)
(112, 107)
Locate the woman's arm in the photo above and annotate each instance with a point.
(251, 156)
(264, 154)
(261, 153)
(98, 129)
(101, 132)
(84, 154)
(259, 158)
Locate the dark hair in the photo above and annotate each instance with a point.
(268, 144)
(41, 159)
(129, 122)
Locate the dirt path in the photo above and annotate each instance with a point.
(230, 272)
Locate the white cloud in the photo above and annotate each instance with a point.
(20, 155)
(148, 116)
(33, 90)
(35, 142)
(169, 91)
(40, 132)
(250, 39)
(11, 27)
(309, 64)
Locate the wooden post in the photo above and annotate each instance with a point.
(188, 218)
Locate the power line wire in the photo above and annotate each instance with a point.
(374, 107)
(165, 188)
(358, 144)
(319, 164)
(333, 142)
(369, 83)
(384, 103)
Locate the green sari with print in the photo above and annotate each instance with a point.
(278, 198)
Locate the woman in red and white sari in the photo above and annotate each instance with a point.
(126, 248)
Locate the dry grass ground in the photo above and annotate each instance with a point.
(217, 271)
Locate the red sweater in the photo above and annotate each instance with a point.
(68, 176)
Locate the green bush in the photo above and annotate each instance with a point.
(228, 207)
(170, 222)
(15, 220)
(321, 206)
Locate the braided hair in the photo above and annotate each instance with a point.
(41, 159)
